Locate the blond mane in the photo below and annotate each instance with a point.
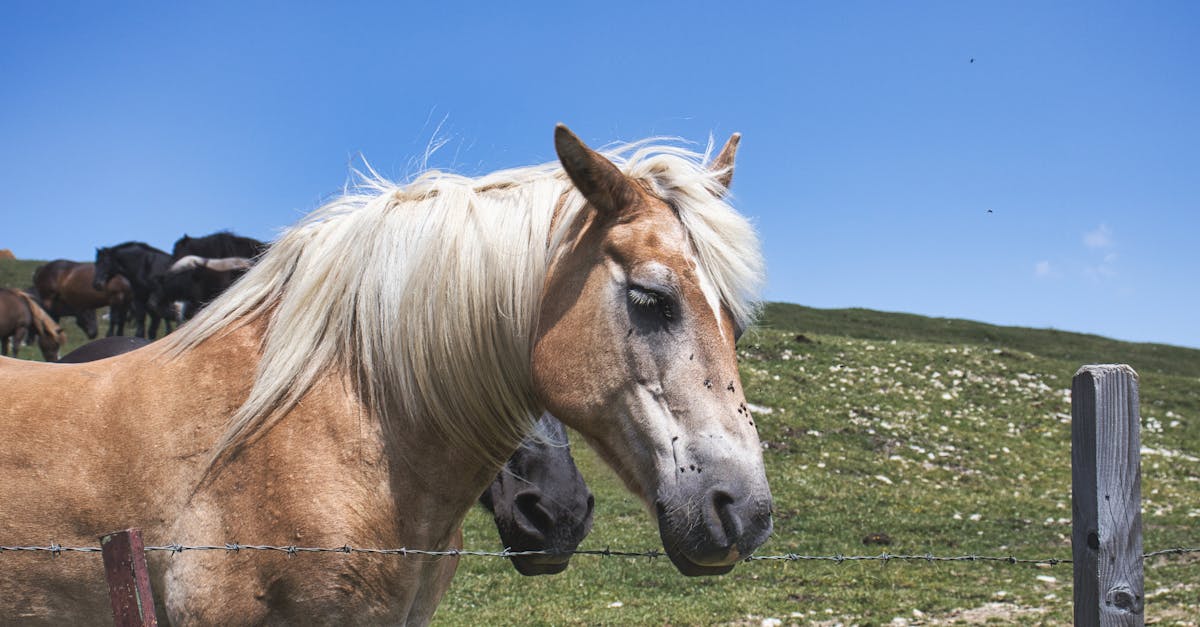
(45, 325)
(426, 294)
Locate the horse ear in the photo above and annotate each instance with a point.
(723, 164)
(595, 176)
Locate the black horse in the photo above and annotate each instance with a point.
(218, 245)
(539, 500)
(195, 281)
(139, 263)
(102, 348)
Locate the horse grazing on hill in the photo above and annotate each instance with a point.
(196, 281)
(67, 288)
(365, 381)
(20, 318)
(141, 264)
(538, 500)
(218, 245)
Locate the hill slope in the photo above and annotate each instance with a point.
(948, 436)
(17, 273)
(867, 324)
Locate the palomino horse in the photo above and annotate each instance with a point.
(65, 289)
(20, 317)
(538, 500)
(363, 383)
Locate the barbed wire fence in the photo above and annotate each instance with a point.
(56, 550)
(1106, 478)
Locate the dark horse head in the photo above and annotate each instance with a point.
(139, 263)
(540, 502)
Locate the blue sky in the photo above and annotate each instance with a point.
(1052, 182)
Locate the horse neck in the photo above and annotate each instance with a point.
(331, 435)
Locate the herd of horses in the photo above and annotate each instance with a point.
(134, 280)
(361, 381)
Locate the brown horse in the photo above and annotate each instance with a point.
(65, 289)
(364, 382)
(22, 317)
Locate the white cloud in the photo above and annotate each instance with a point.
(1100, 237)
(1043, 270)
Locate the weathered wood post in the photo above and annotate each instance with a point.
(128, 579)
(1106, 496)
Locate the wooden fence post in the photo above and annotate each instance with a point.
(128, 580)
(1106, 496)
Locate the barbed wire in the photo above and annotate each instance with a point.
(290, 550)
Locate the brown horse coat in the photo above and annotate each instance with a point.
(20, 317)
(65, 289)
(16, 321)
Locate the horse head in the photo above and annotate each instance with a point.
(635, 348)
(103, 268)
(540, 502)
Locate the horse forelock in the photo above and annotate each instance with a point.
(425, 296)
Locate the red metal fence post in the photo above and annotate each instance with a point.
(128, 580)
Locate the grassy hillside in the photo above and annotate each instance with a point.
(866, 324)
(951, 437)
(17, 273)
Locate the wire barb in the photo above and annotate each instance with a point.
(56, 550)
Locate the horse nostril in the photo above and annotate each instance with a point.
(731, 522)
(529, 505)
(591, 506)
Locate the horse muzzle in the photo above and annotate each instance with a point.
(538, 523)
(708, 535)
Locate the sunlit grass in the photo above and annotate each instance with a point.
(948, 447)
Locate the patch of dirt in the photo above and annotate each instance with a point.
(1006, 613)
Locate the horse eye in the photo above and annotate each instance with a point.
(651, 300)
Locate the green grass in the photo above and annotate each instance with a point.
(950, 436)
(17, 273)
